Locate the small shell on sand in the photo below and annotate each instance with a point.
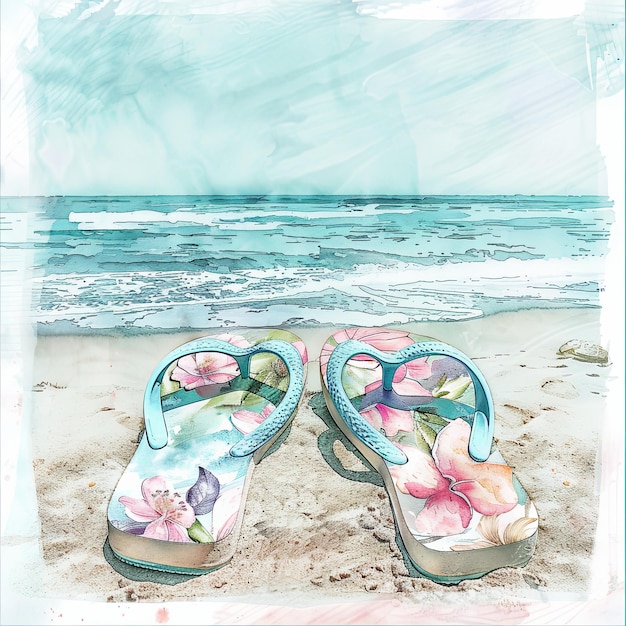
(584, 351)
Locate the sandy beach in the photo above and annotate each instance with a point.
(311, 536)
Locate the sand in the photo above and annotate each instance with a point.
(311, 537)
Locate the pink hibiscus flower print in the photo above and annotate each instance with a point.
(208, 368)
(391, 419)
(453, 484)
(379, 338)
(166, 511)
(246, 421)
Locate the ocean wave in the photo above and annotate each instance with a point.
(373, 293)
(495, 212)
(142, 263)
(221, 217)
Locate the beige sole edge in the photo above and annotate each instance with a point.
(189, 557)
(434, 563)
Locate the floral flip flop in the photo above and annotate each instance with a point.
(422, 415)
(211, 406)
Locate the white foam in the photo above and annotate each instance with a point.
(239, 216)
(398, 292)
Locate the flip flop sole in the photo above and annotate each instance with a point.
(487, 542)
(179, 508)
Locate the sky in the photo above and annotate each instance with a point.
(330, 97)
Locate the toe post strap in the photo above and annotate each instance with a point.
(483, 423)
(156, 427)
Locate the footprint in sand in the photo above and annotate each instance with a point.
(559, 388)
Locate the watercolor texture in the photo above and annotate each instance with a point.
(177, 168)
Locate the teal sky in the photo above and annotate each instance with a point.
(302, 98)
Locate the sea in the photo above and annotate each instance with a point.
(160, 263)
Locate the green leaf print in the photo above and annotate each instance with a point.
(431, 418)
(199, 533)
(423, 432)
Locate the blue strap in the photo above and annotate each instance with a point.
(156, 427)
(483, 425)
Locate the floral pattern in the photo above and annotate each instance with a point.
(498, 530)
(226, 510)
(170, 516)
(448, 500)
(391, 420)
(246, 421)
(388, 340)
(164, 502)
(208, 368)
(206, 512)
(167, 514)
(453, 484)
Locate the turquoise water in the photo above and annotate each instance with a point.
(144, 264)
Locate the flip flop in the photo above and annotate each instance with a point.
(213, 408)
(422, 415)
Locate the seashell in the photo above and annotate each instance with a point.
(584, 351)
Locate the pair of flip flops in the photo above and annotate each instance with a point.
(419, 411)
